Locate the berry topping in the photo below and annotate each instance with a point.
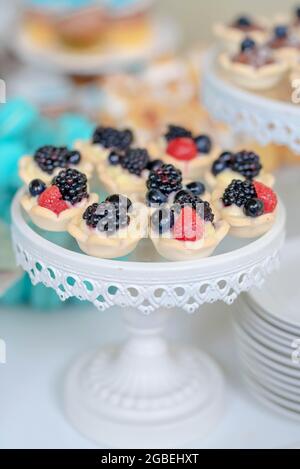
(109, 137)
(238, 192)
(48, 158)
(135, 160)
(267, 196)
(188, 226)
(182, 148)
(51, 199)
(155, 196)
(248, 44)
(73, 157)
(72, 185)
(253, 208)
(36, 187)
(174, 131)
(243, 22)
(246, 163)
(166, 178)
(281, 31)
(222, 163)
(106, 217)
(196, 188)
(114, 158)
(154, 164)
(203, 208)
(162, 220)
(203, 144)
(120, 201)
(297, 12)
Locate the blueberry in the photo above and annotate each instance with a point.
(114, 158)
(281, 31)
(203, 143)
(243, 21)
(36, 187)
(297, 12)
(218, 167)
(154, 164)
(119, 200)
(154, 196)
(253, 208)
(162, 220)
(196, 188)
(226, 157)
(73, 157)
(247, 44)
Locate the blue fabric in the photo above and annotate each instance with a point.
(22, 131)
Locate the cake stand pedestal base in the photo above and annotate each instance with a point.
(146, 393)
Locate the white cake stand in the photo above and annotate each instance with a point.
(261, 117)
(145, 393)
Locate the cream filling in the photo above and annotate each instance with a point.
(29, 170)
(117, 180)
(94, 153)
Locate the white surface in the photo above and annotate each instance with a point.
(263, 119)
(40, 347)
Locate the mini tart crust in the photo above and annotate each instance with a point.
(193, 169)
(230, 37)
(175, 250)
(97, 244)
(117, 180)
(48, 220)
(242, 226)
(29, 170)
(92, 152)
(222, 180)
(253, 78)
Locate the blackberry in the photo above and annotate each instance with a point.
(203, 208)
(109, 137)
(174, 131)
(49, 158)
(166, 179)
(135, 160)
(254, 208)
(120, 201)
(72, 185)
(163, 220)
(106, 217)
(36, 187)
(246, 163)
(238, 192)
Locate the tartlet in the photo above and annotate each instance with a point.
(110, 229)
(230, 35)
(240, 165)
(249, 207)
(104, 140)
(191, 154)
(52, 207)
(48, 161)
(253, 67)
(187, 230)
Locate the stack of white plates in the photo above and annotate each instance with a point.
(267, 324)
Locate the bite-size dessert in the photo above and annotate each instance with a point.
(239, 165)
(248, 206)
(192, 154)
(52, 206)
(186, 230)
(165, 186)
(230, 35)
(285, 44)
(104, 140)
(49, 160)
(253, 67)
(110, 229)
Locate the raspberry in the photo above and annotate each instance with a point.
(267, 196)
(51, 199)
(182, 148)
(188, 226)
